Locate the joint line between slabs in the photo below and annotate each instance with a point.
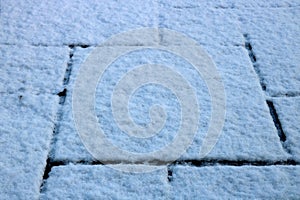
(62, 97)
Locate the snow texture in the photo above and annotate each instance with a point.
(248, 134)
(63, 22)
(206, 26)
(274, 37)
(33, 69)
(289, 116)
(66, 182)
(229, 4)
(245, 182)
(37, 43)
(29, 78)
(26, 128)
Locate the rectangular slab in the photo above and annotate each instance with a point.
(103, 182)
(205, 25)
(34, 69)
(289, 116)
(226, 182)
(248, 134)
(65, 22)
(26, 128)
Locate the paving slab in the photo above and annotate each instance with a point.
(273, 34)
(30, 78)
(289, 117)
(248, 134)
(76, 22)
(32, 69)
(205, 25)
(227, 182)
(26, 128)
(97, 182)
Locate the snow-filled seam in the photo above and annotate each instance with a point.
(232, 7)
(170, 173)
(278, 126)
(72, 46)
(69, 66)
(62, 96)
(271, 7)
(196, 163)
(286, 94)
(253, 59)
(236, 163)
(82, 45)
(114, 45)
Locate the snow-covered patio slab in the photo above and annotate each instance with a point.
(205, 25)
(26, 128)
(35, 69)
(30, 78)
(72, 22)
(288, 110)
(96, 182)
(227, 182)
(249, 132)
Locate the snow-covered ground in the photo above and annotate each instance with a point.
(254, 46)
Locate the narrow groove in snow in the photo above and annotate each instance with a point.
(277, 124)
(287, 94)
(50, 45)
(195, 163)
(69, 66)
(72, 46)
(276, 121)
(170, 174)
(253, 59)
(237, 163)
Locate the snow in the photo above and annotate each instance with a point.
(227, 182)
(248, 134)
(228, 4)
(34, 69)
(274, 38)
(26, 127)
(36, 41)
(67, 140)
(289, 116)
(100, 181)
(71, 22)
(29, 78)
(205, 26)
